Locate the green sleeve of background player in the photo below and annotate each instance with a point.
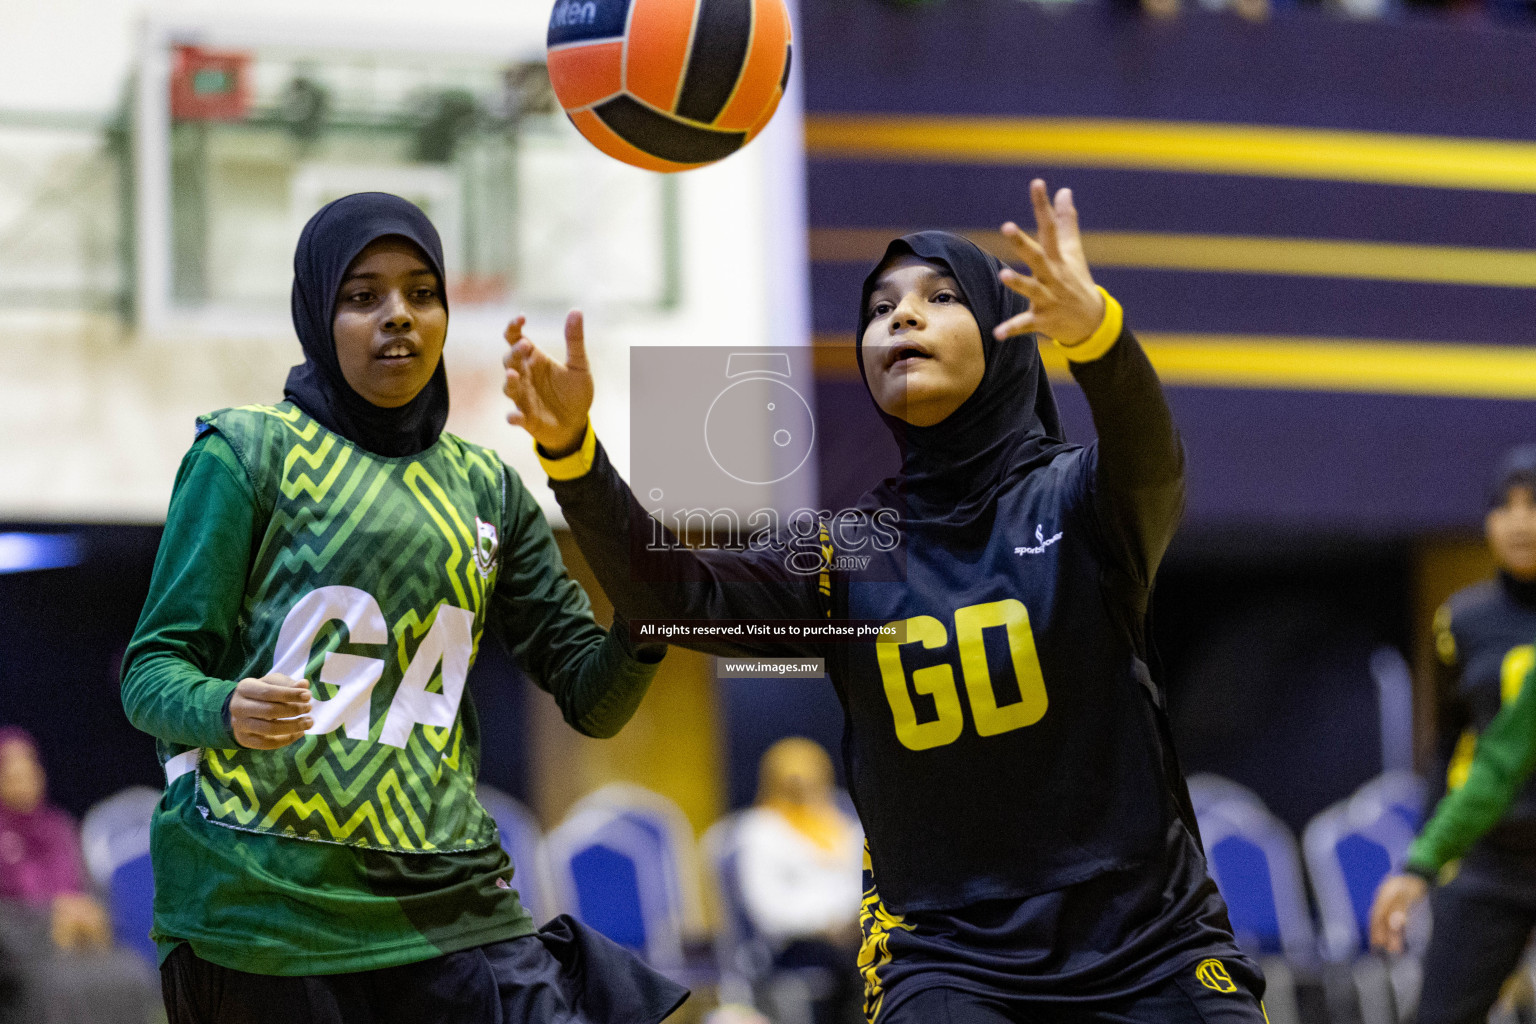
(173, 687)
(596, 676)
(1506, 755)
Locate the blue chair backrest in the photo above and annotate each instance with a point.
(1403, 793)
(1350, 847)
(1208, 790)
(676, 860)
(660, 841)
(608, 894)
(1255, 863)
(132, 895)
(618, 875)
(1249, 889)
(1365, 861)
(668, 829)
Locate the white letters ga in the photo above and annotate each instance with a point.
(449, 641)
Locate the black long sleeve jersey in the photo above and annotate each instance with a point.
(1004, 749)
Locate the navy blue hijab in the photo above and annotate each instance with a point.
(331, 240)
(952, 472)
(1517, 467)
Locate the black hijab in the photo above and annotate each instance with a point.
(331, 240)
(952, 471)
(1516, 469)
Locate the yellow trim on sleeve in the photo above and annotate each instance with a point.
(572, 466)
(1460, 766)
(1104, 336)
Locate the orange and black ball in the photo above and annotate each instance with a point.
(669, 85)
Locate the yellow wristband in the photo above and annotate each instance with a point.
(1104, 336)
(574, 465)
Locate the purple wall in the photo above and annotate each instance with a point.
(1383, 463)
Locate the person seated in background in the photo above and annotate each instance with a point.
(77, 976)
(801, 861)
(40, 862)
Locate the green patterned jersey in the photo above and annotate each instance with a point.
(370, 580)
(360, 846)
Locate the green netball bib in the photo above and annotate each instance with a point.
(372, 581)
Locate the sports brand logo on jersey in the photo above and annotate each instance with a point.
(1214, 976)
(485, 546)
(1041, 542)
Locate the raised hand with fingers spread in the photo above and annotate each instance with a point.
(996, 523)
(1064, 303)
(552, 398)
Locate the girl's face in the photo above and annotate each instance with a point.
(922, 349)
(1511, 530)
(390, 323)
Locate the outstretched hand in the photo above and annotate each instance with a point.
(1064, 304)
(552, 398)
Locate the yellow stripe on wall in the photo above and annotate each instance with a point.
(1304, 364)
(1311, 153)
(1305, 257)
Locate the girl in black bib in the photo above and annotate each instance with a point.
(1030, 852)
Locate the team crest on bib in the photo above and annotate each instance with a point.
(486, 545)
(1213, 975)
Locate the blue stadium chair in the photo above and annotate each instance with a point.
(114, 835)
(523, 840)
(671, 830)
(1207, 790)
(1256, 865)
(1253, 858)
(1402, 792)
(623, 862)
(1349, 848)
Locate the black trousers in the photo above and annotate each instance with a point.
(1475, 943)
(1182, 999)
(565, 974)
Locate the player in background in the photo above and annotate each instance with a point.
(1483, 634)
(328, 567)
(1032, 855)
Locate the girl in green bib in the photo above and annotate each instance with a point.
(328, 569)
